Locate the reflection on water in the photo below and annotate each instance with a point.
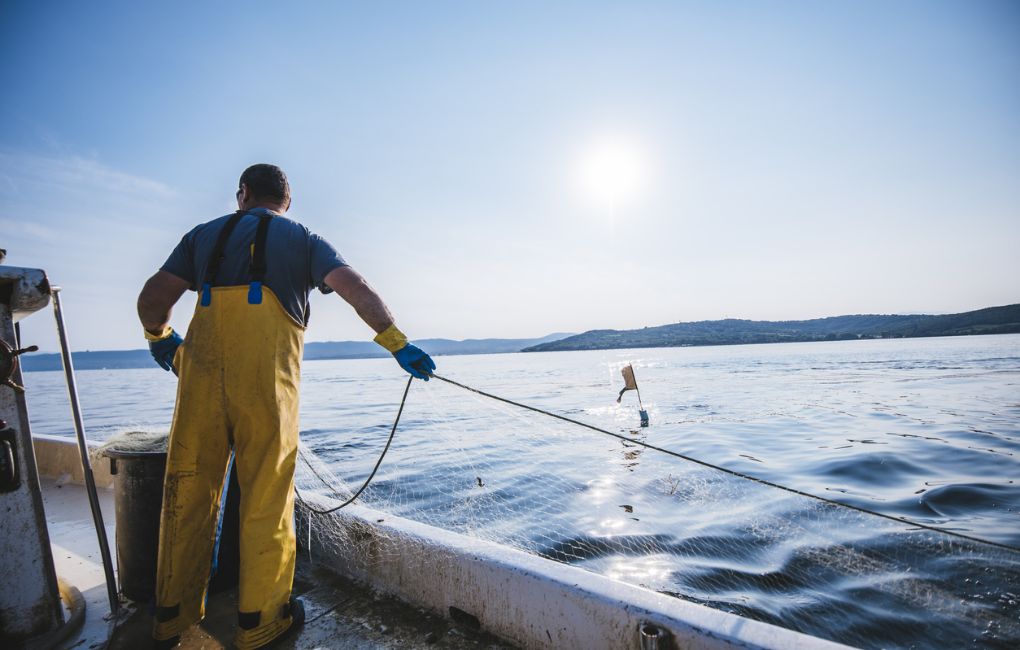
(631, 455)
(927, 429)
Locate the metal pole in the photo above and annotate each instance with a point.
(86, 464)
(642, 413)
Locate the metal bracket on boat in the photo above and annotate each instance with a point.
(10, 476)
(9, 364)
(651, 637)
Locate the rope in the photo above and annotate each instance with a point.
(640, 443)
(375, 469)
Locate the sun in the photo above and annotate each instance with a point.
(612, 172)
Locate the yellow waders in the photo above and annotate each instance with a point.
(239, 370)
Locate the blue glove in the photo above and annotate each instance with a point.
(414, 360)
(164, 349)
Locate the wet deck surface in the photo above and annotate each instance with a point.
(339, 613)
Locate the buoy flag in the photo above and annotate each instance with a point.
(629, 382)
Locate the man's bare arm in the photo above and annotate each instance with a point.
(160, 293)
(352, 287)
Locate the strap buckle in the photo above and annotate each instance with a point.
(254, 292)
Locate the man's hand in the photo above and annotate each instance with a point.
(415, 361)
(164, 348)
(157, 298)
(410, 357)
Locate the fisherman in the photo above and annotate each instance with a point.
(239, 369)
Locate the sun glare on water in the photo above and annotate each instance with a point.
(611, 173)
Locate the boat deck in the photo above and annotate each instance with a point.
(339, 612)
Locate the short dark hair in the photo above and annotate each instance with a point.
(266, 182)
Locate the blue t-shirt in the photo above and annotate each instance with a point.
(297, 260)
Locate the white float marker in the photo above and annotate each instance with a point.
(630, 383)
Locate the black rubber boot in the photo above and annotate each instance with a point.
(297, 616)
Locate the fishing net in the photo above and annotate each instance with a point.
(132, 441)
(489, 470)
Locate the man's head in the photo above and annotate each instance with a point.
(263, 186)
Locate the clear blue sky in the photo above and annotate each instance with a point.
(778, 160)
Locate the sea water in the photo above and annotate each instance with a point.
(925, 429)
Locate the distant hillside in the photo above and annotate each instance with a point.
(112, 359)
(123, 359)
(993, 320)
